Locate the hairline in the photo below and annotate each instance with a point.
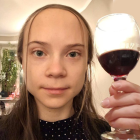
(28, 26)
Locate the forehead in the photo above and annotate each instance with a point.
(56, 16)
(56, 21)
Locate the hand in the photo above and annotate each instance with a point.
(125, 106)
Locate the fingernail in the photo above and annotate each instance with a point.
(105, 103)
(116, 84)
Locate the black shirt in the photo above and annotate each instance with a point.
(64, 129)
(67, 129)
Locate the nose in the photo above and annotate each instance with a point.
(56, 69)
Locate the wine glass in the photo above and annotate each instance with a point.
(117, 44)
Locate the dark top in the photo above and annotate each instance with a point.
(67, 130)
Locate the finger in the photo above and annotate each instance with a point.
(122, 99)
(123, 112)
(126, 123)
(113, 91)
(123, 85)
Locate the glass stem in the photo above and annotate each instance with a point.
(117, 78)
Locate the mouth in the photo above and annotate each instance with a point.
(55, 91)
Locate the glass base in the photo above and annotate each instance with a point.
(116, 135)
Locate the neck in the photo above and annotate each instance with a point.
(55, 114)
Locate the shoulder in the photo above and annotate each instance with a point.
(94, 126)
(100, 124)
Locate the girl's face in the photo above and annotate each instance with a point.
(57, 58)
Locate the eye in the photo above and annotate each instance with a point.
(73, 54)
(39, 53)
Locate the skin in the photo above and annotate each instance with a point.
(55, 38)
(125, 107)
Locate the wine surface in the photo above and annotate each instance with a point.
(119, 62)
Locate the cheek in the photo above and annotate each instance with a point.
(78, 79)
(34, 74)
(77, 71)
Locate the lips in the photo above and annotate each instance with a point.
(56, 91)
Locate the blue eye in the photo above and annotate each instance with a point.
(39, 53)
(73, 54)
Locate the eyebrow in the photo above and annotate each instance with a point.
(47, 44)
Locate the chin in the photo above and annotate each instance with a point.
(54, 106)
(57, 104)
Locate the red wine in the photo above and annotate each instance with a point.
(119, 62)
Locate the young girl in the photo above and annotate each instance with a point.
(55, 50)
